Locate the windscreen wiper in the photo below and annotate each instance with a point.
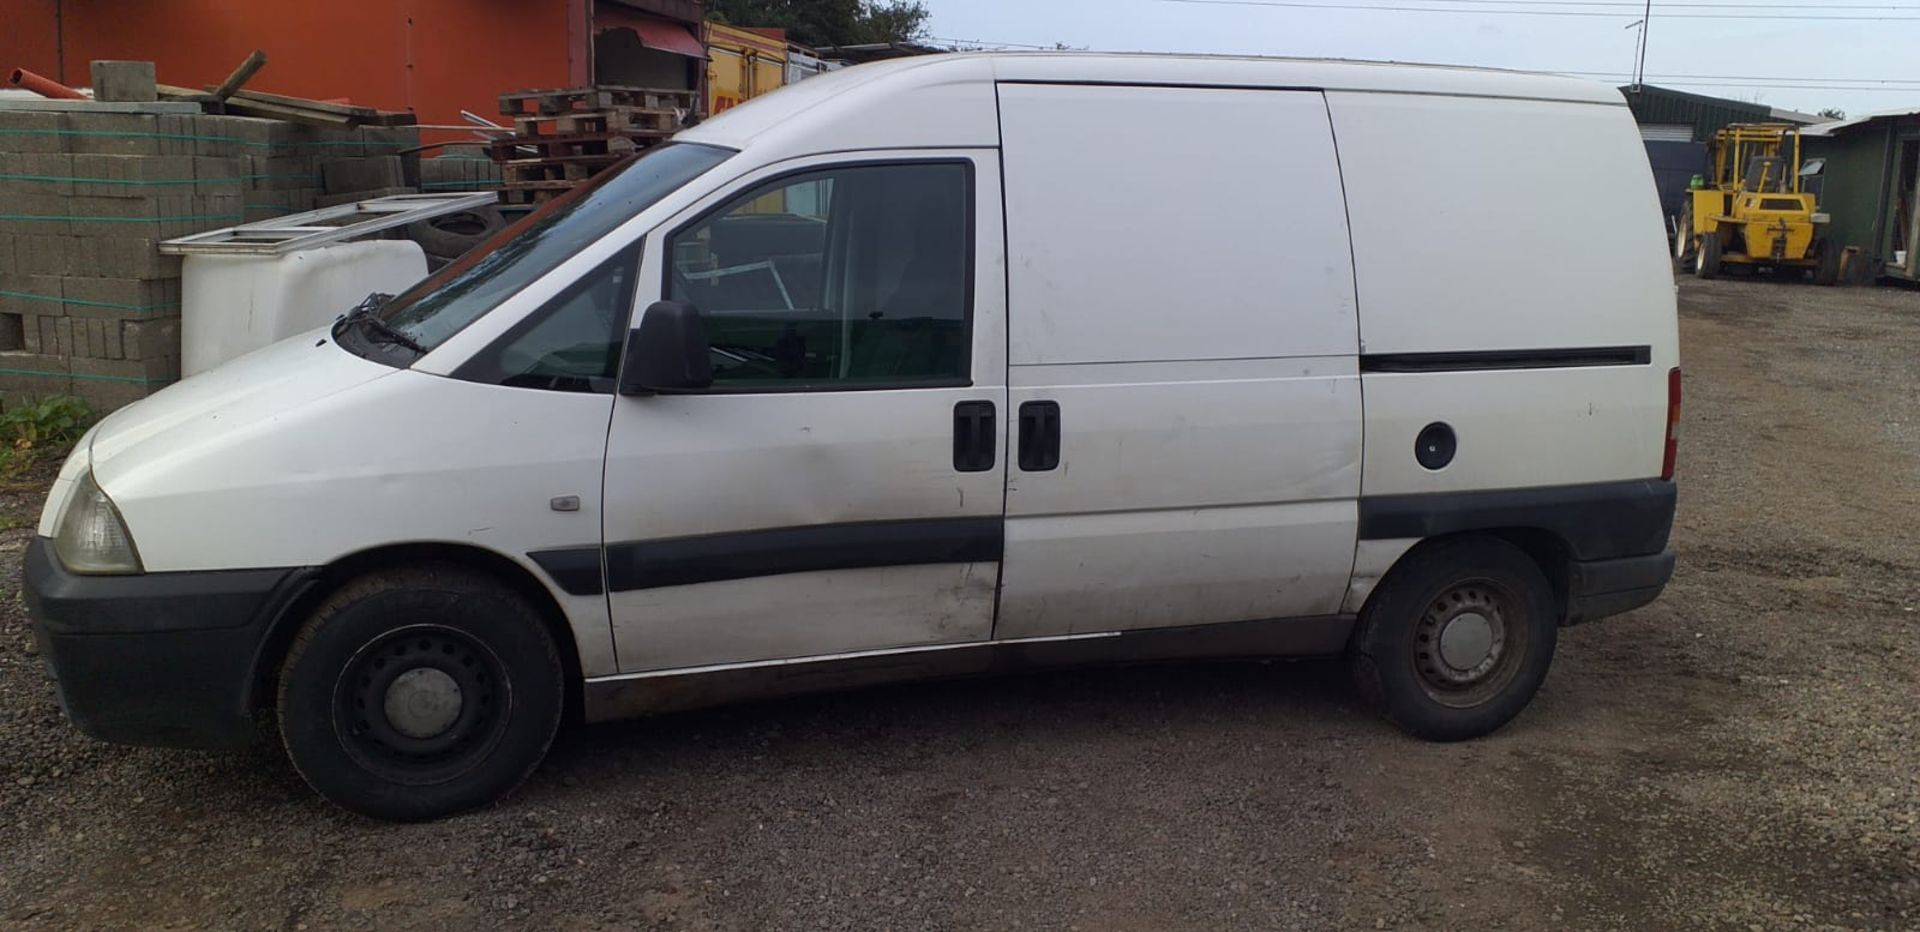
(366, 313)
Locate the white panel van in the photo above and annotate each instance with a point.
(933, 367)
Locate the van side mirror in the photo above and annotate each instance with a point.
(667, 353)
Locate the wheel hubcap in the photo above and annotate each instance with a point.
(423, 702)
(1466, 641)
(1464, 645)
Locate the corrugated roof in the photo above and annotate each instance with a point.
(1829, 129)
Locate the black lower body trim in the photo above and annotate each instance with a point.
(625, 697)
(1602, 521)
(164, 659)
(1600, 588)
(683, 561)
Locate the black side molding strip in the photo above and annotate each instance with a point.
(575, 569)
(1603, 521)
(683, 561)
(1483, 360)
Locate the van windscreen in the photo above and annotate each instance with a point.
(443, 303)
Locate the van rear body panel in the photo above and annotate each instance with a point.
(1542, 337)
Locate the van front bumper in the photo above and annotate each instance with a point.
(161, 659)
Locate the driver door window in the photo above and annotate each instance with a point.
(850, 277)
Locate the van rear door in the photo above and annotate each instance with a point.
(1183, 359)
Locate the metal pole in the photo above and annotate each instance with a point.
(1640, 61)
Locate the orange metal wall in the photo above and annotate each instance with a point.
(435, 56)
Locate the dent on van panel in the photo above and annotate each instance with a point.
(805, 614)
(1371, 561)
(1143, 569)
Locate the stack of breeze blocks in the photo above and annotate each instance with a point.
(88, 305)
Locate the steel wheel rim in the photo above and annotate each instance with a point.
(1468, 643)
(392, 693)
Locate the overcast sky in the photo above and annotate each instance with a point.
(1743, 56)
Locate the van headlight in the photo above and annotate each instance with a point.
(91, 538)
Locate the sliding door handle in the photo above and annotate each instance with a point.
(1039, 435)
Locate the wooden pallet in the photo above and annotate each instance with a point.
(554, 101)
(522, 148)
(570, 169)
(630, 120)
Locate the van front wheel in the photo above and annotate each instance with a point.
(1457, 639)
(420, 692)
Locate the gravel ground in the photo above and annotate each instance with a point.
(1743, 754)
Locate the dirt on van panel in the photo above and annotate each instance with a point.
(1743, 754)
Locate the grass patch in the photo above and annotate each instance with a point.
(29, 433)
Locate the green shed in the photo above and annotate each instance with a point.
(1667, 115)
(1870, 181)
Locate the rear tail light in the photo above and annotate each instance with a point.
(1673, 423)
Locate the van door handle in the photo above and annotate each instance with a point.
(1039, 435)
(973, 436)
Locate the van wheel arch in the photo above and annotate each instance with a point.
(1547, 550)
(281, 632)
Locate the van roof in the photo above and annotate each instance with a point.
(876, 89)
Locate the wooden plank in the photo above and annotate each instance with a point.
(241, 75)
(260, 108)
(364, 113)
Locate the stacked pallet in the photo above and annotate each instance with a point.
(88, 305)
(564, 137)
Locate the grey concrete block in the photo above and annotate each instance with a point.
(148, 339)
(27, 131)
(30, 332)
(123, 80)
(218, 175)
(280, 172)
(47, 173)
(63, 336)
(115, 134)
(120, 298)
(30, 294)
(113, 331)
(132, 175)
(39, 374)
(347, 176)
(117, 257)
(37, 214)
(148, 370)
(37, 254)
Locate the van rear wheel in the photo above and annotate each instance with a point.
(1456, 640)
(420, 692)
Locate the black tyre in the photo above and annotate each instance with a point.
(1707, 263)
(451, 235)
(1457, 639)
(419, 692)
(1827, 272)
(1683, 237)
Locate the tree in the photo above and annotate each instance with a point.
(1834, 113)
(828, 22)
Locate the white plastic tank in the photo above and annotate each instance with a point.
(234, 304)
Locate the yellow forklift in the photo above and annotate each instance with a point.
(1753, 212)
